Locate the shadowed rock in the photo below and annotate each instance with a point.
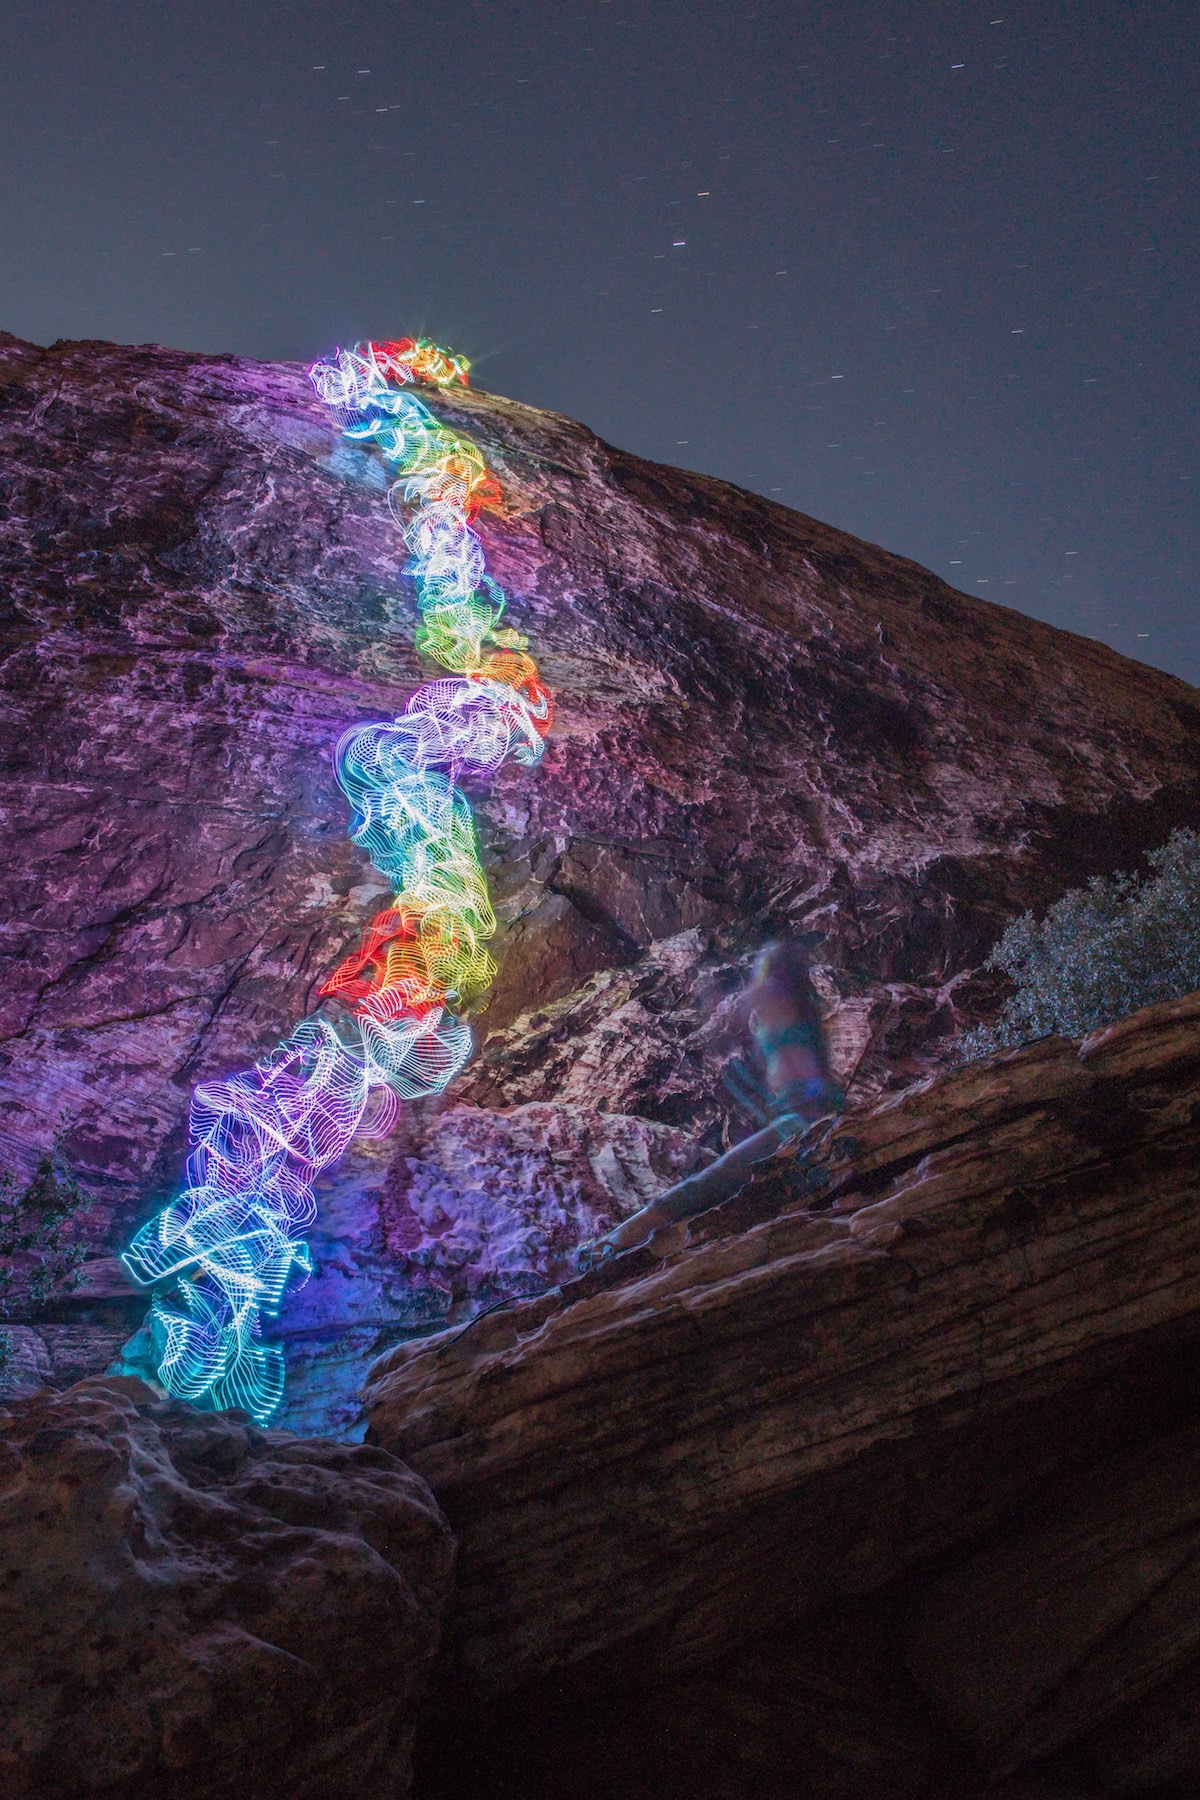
(193, 1607)
(777, 1410)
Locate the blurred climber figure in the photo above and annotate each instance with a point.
(779, 1008)
(789, 1090)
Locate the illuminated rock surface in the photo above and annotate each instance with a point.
(941, 1429)
(193, 1607)
(763, 722)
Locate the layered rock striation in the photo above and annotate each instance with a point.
(881, 1473)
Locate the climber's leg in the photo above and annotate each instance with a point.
(708, 1187)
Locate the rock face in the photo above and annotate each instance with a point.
(192, 1607)
(763, 724)
(878, 1480)
(918, 1403)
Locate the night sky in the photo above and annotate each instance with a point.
(925, 270)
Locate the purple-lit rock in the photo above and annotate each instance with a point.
(470, 1209)
(764, 724)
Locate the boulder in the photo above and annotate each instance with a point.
(931, 1319)
(764, 724)
(191, 1607)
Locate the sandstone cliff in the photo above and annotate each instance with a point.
(878, 1480)
(763, 723)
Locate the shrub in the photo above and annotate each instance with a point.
(1102, 951)
(39, 1259)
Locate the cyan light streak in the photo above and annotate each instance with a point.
(226, 1247)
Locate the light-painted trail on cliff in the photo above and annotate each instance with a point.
(388, 1028)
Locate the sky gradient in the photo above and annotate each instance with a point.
(926, 271)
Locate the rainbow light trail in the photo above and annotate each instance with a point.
(387, 1029)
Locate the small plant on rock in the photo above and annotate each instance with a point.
(1103, 950)
(39, 1255)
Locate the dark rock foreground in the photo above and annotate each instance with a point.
(192, 1607)
(879, 1480)
(899, 1492)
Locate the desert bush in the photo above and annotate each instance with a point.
(1102, 951)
